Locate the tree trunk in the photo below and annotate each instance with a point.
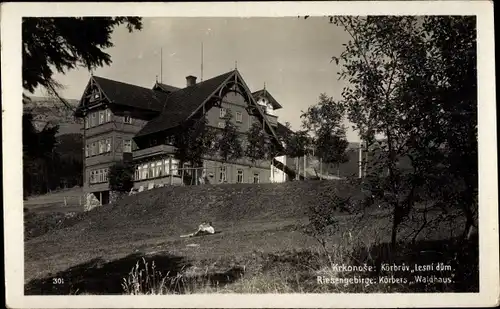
(394, 229)
(297, 170)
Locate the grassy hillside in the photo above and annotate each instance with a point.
(163, 214)
(256, 224)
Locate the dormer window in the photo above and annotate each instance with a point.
(222, 112)
(127, 119)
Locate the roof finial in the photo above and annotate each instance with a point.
(264, 85)
(157, 79)
(91, 72)
(236, 64)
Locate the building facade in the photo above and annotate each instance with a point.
(124, 122)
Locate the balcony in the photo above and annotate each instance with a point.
(152, 151)
(273, 120)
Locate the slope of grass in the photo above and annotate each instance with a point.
(243, 213)
(96, 251)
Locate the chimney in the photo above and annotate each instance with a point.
(190, 80)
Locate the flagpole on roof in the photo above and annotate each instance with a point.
(202, 61)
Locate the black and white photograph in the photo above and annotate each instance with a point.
(312, 153)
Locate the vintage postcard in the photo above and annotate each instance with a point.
(251, 154)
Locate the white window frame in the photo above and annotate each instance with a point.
(222, 112)
(137, 172)
(93, 120)
(86, 122)
(151, 170)
(108, 144)
(127, 119)
(239, 176)
(239, 117)
(144, 174)
(101, 146)
(158, 168)
(108, 115)
(175, 167)
(258, 177)
(166, 166)
(101, 117)
(222, 174)
(127, 145)
(221, 124)
(87, 150)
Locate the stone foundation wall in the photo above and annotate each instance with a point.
(91, 202)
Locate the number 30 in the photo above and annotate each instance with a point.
(57, 280)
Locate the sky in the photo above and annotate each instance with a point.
(290, 55)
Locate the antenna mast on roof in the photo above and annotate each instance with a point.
(202, 61)
(161, 65)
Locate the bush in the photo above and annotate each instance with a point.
(121, 177)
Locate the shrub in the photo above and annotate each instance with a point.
(121, 177)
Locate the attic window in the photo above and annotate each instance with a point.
(95, 95)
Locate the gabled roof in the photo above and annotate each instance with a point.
(182, 103)
(165, 87)
(131, 95)
(266, 94)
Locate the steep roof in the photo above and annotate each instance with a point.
(266, 94)
(165, 87)
(282, 130)
(182, 103)
(131, 95)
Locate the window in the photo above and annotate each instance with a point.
(108, 115)
(86, 151)
(222, 125)
(86, 122)
(93, 120)
(101, 117)
(240, 176)
(101, 146)
(151, 170)
(175, 165)
(222, 112)
(222, 174)
(108, 145)
(239, 117)
(93, 149)
(137, 172)
(158, 168)
(166, 167)
(127, 119)
(256, 178)
(127, 145)
(144, 174)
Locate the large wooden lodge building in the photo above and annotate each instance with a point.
(132, 123)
